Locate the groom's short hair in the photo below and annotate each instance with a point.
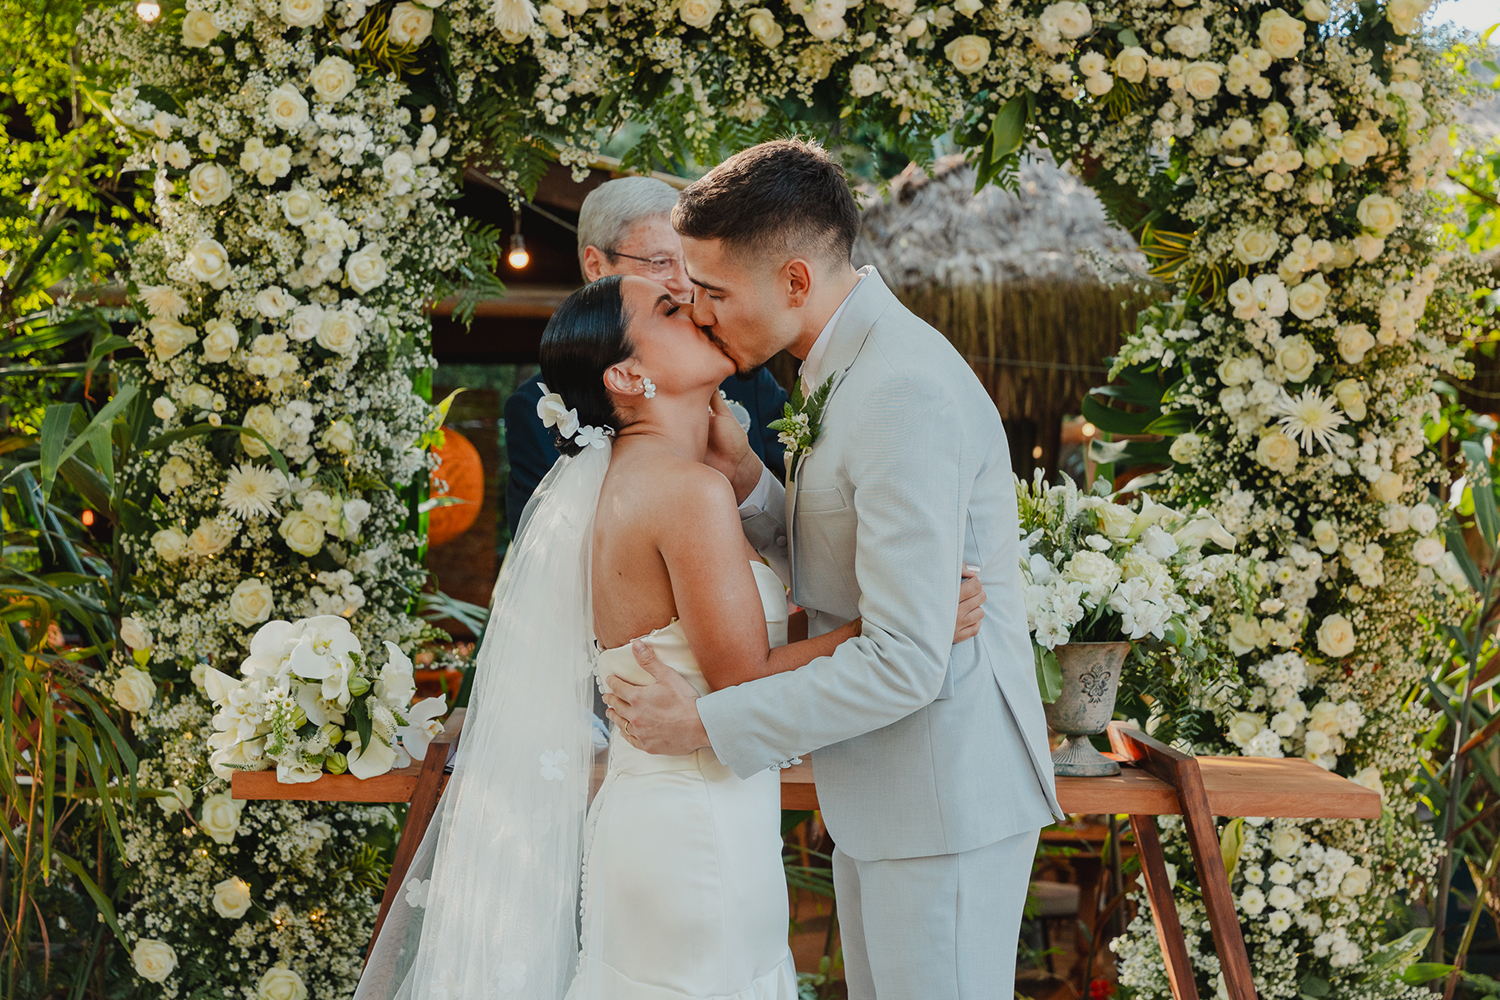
(783, 196)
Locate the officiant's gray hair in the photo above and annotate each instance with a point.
(614, 206)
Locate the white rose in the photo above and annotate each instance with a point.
(169, 544)
(968, 8)
(1428, 550)
(339, 332)
(164, 408)
(263, 419)
(153, 960)
(232, 898)
(209, 538)
(1356, 147)
(1068, 18)
(169, 338)
(1423, 518)
(1201, 79)
(299, 207)
(332, 79)
(306, 322)
(969, 53)
(1244, 727)
(281, 984)
(1315, 10)
(134, 634)
(301, 13)
(1368, 247)
(208, 183)
(1379, 214)
(1388, 487)
(220, 817)
(273, 302)
(1350, 393)
(698, 13)
(1354, 340)
(287, 107)
(1115, 520)
(302, 532)
(208, 261)
(1309, 299)
(365, 269)
(1131, 64)
(764, 29)
(134, 690)
(198, 29)
(1285, 843)
(1336, 636)
(1281, 34)
(339, 436)
(1255, 246)
(863, 80)
(1277, 452)
(1405, 15)
(1325, 536)
(1099, 85)
(1296, 357)
(251, 602)
(1274, 120)
(1369, 777)
(1185, 448)
(409, 24)
(1245, 636)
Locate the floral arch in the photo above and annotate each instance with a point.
(305, 154)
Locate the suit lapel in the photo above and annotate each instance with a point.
(867, 303)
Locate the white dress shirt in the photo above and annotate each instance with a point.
(809, 372)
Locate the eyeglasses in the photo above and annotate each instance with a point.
(658, 267)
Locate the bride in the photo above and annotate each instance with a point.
(672, 880)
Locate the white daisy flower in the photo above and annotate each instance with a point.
(252, 490)
(1309, 416)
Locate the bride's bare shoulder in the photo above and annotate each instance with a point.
(672, 485)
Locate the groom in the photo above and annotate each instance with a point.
(931, 759)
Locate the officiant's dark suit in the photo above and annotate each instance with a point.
(529, 445)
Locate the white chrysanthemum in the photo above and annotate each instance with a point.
(251, 490)
(163, 301)
(1309, 416)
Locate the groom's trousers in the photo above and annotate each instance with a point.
(937, 928)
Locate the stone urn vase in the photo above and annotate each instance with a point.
(1090, 681)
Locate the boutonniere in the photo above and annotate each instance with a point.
(801, 421)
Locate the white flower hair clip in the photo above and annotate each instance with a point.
(555, 413)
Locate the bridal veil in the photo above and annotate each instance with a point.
(489, 907)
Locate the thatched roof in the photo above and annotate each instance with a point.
(936, 230)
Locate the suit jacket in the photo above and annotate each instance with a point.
(529, 447)
(922, 747)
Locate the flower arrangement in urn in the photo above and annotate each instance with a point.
(304, 683)
(1100, 574)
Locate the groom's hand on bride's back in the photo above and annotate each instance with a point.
(971, 598)
(729, 451)
(659, 718)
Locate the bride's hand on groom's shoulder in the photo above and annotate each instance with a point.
(659, 718)
(729, 451)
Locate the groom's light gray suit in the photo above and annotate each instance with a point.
(931, 758)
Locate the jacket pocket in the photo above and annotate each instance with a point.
(820, 501)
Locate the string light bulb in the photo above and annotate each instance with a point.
(518, 257)
(147, 10)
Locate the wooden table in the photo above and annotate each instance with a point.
(1155, 781)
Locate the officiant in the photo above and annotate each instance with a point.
(625, 227)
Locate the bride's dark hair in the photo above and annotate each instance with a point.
(584, 337)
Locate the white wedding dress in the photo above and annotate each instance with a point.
(684, 896)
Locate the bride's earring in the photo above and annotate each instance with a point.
(649, 386)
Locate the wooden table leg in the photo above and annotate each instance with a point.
(1218, 898)
(1164, 910)
(1181, 772)
(424, 803)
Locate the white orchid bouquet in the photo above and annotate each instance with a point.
(1099, 570)
(310, 703)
